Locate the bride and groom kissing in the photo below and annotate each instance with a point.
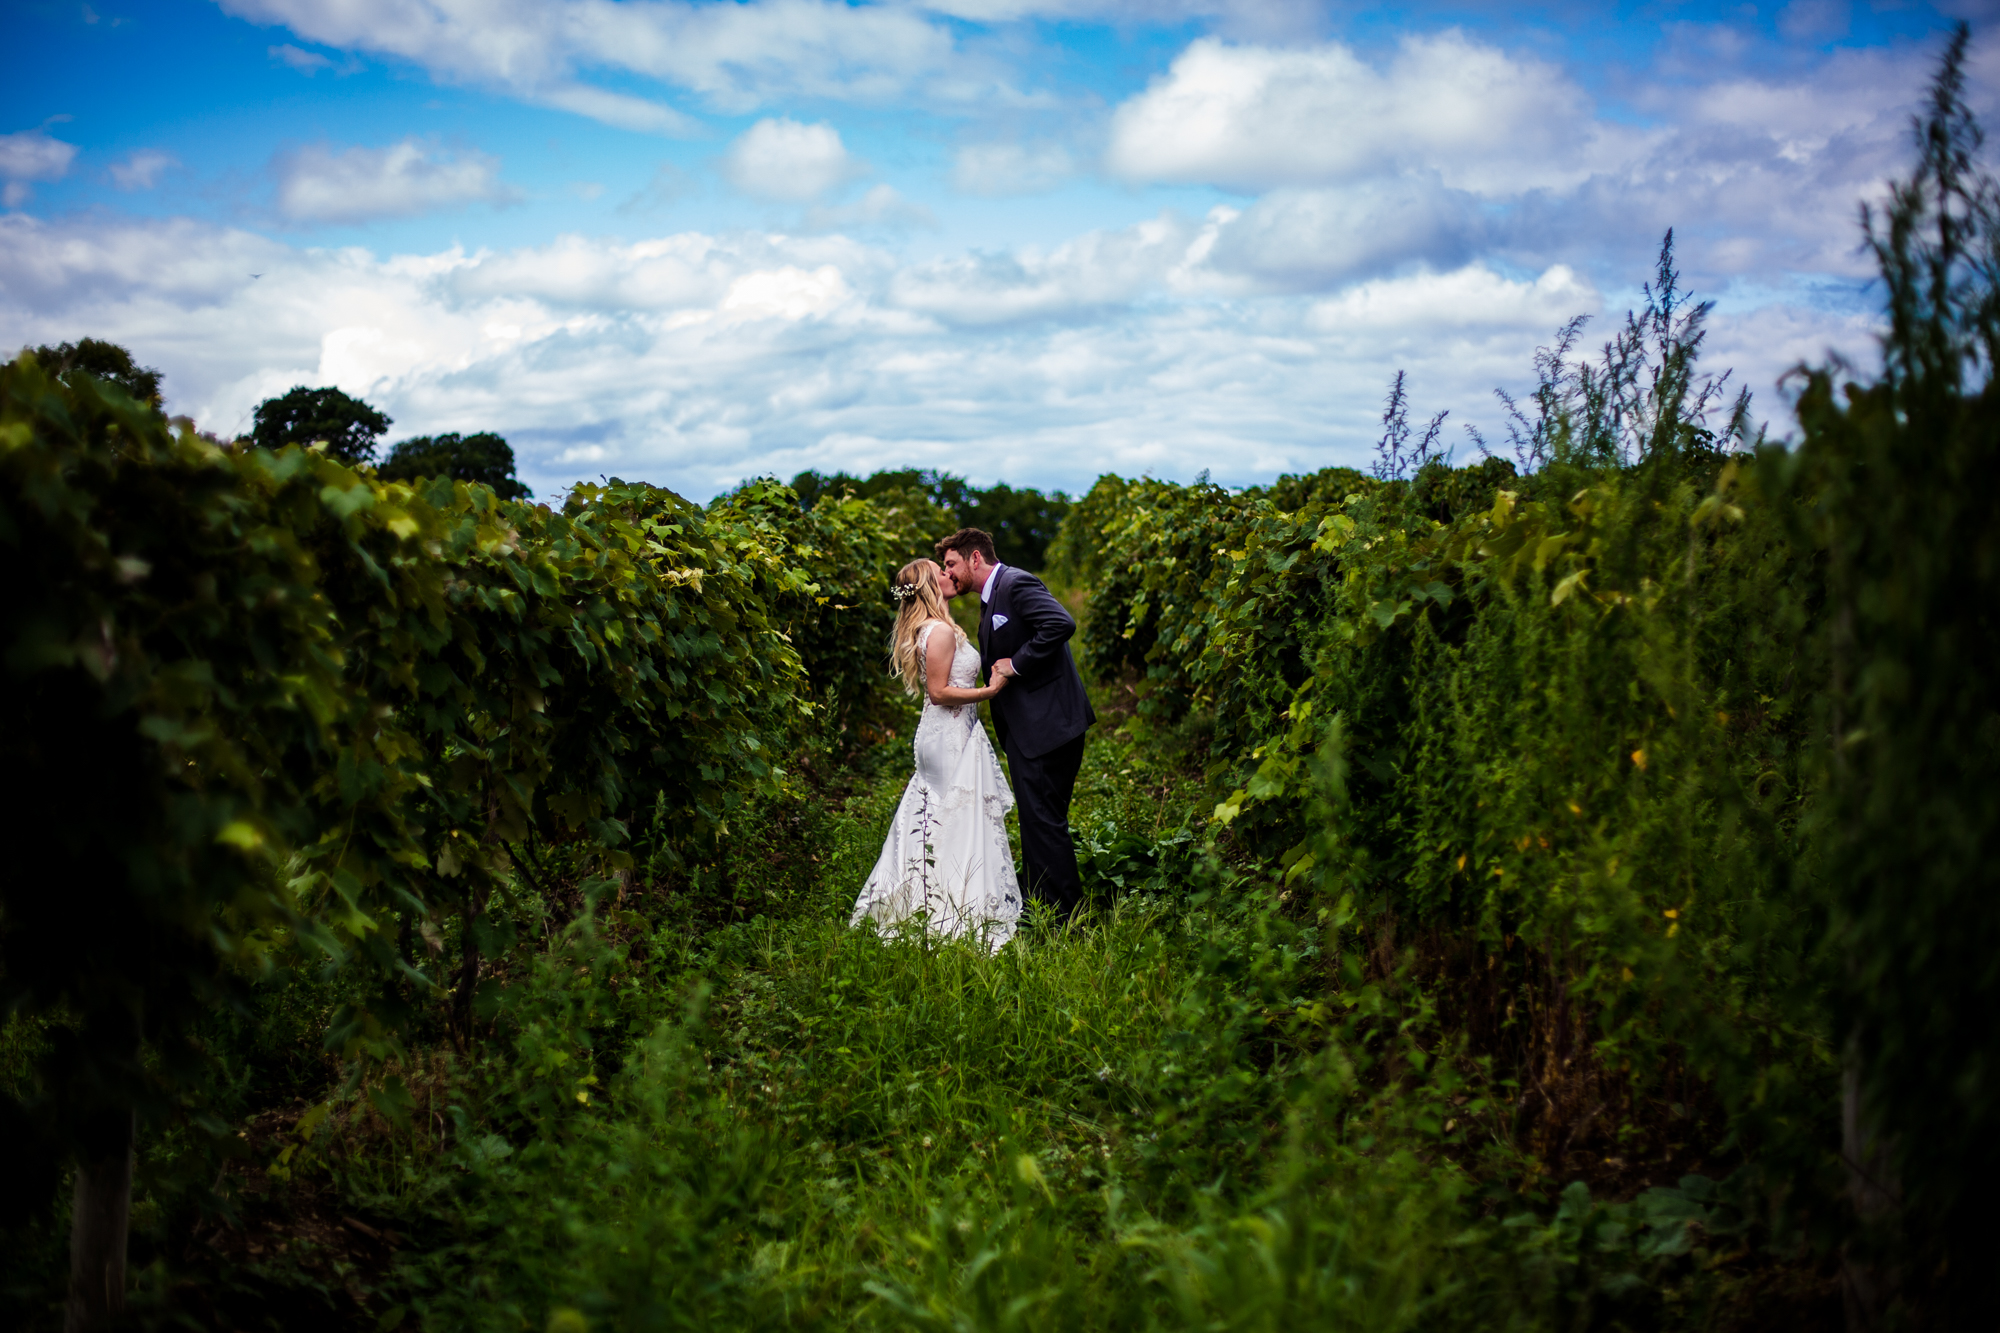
(946, 858)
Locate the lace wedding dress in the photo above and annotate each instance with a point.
(947, 855)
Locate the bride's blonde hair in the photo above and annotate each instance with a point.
(920, 599)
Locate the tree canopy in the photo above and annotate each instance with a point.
(482, 457)
(1023, 521)
(106, 360)
(304, 416)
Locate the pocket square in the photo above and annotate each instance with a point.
(998, 620)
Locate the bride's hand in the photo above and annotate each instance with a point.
(999, 683)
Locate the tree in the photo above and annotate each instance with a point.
(305, 416)
(810, 485)
(107, 361)
(1023, 522)
(943, 489)
(484, 458)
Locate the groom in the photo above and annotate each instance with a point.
(1042, 714)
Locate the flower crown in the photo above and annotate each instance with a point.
(902, 592)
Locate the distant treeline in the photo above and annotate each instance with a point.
(1023, 520)
(344, 428)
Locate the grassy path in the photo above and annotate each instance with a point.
(1134, 1124)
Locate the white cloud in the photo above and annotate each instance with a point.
(1814, 20)
(141, 168)
(31, 155)
(1010, 168)
(694, 360)
(1257, 19)
(317, 184)
(882, 206)
(1448, 149)
(735, 57)
(1096, 270)
(738, 57)
(1471, 298)
(1756, 174)
(307, 63)
(1763, 345)
(1081, 279)
(669, 185)
(785, 161)
(576, 274)
(1253, 118)
(1314, 239)
(619, 109)
(1289, 241)
(787, 293)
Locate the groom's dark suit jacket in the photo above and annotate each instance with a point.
(1047, 706)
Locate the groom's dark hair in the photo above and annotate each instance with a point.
(967, 540)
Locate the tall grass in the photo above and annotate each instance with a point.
(1116, 1126)
(1177, 1112)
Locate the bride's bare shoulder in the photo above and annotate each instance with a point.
(924, 632)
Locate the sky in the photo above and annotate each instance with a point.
(1029, 241)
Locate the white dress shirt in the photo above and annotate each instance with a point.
(986, 589)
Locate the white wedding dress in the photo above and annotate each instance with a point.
(947, 855)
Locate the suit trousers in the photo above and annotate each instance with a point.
(1042, 790)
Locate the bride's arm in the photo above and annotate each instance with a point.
(937, 673)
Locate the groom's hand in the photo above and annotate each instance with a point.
(1004, 667)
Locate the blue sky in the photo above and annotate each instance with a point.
(1024, 240)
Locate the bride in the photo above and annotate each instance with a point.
(947, 856)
